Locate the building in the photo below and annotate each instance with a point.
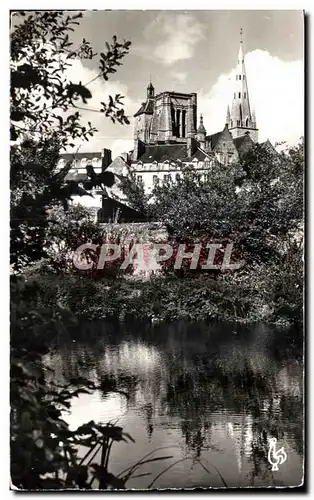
(168, 137)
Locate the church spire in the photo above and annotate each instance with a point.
(150, 90)
(241, 120)
(228, 118)
(201, 133)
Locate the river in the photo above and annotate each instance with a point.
(210, 396)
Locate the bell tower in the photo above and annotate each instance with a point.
(241, 120)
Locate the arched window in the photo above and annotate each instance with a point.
(239, 94)
(83, 162)
(96, 162)
(239, 77)
(247, 122)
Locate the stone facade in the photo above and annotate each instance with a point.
(167, 139)
(166, 136)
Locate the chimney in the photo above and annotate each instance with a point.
(139, 149)
(106, 159)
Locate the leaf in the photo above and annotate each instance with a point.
(106, 478)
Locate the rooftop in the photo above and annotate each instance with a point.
(171, 152)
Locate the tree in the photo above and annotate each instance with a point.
(41, 52)
(135, 193)
(255, 204)
(45, 118)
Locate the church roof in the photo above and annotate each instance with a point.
(72, 176)
(79, 156)
(147, 107)
(201, 129)
(213, 138)
(238, 141)
(171, 152)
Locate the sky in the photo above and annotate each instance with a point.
(196, 51)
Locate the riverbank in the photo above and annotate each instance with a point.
(261, 295)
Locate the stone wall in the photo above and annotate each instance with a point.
(146, 233)
(143, 232)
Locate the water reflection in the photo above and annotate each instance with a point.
(216, 393)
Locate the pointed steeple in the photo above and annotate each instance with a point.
(241, 119)
(150, 90)
(228, 118)
(201, 133)
(201, 128)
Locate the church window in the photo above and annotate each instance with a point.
(178, 122)
(244, 95)
(243, 77)
(238, 123)
(183, 122)
(173, 120)
(167, 178)
(139, 178)
(231, 123)
(155, 179)
(239, 94)
(239, 77)
(247, 122)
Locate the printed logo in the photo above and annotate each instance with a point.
(276, 458)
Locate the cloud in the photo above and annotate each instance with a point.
(276, 93)
(179, 76)
(171, 38)
(121, 146)
(109, 135)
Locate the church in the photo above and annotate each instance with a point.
(168, 136)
